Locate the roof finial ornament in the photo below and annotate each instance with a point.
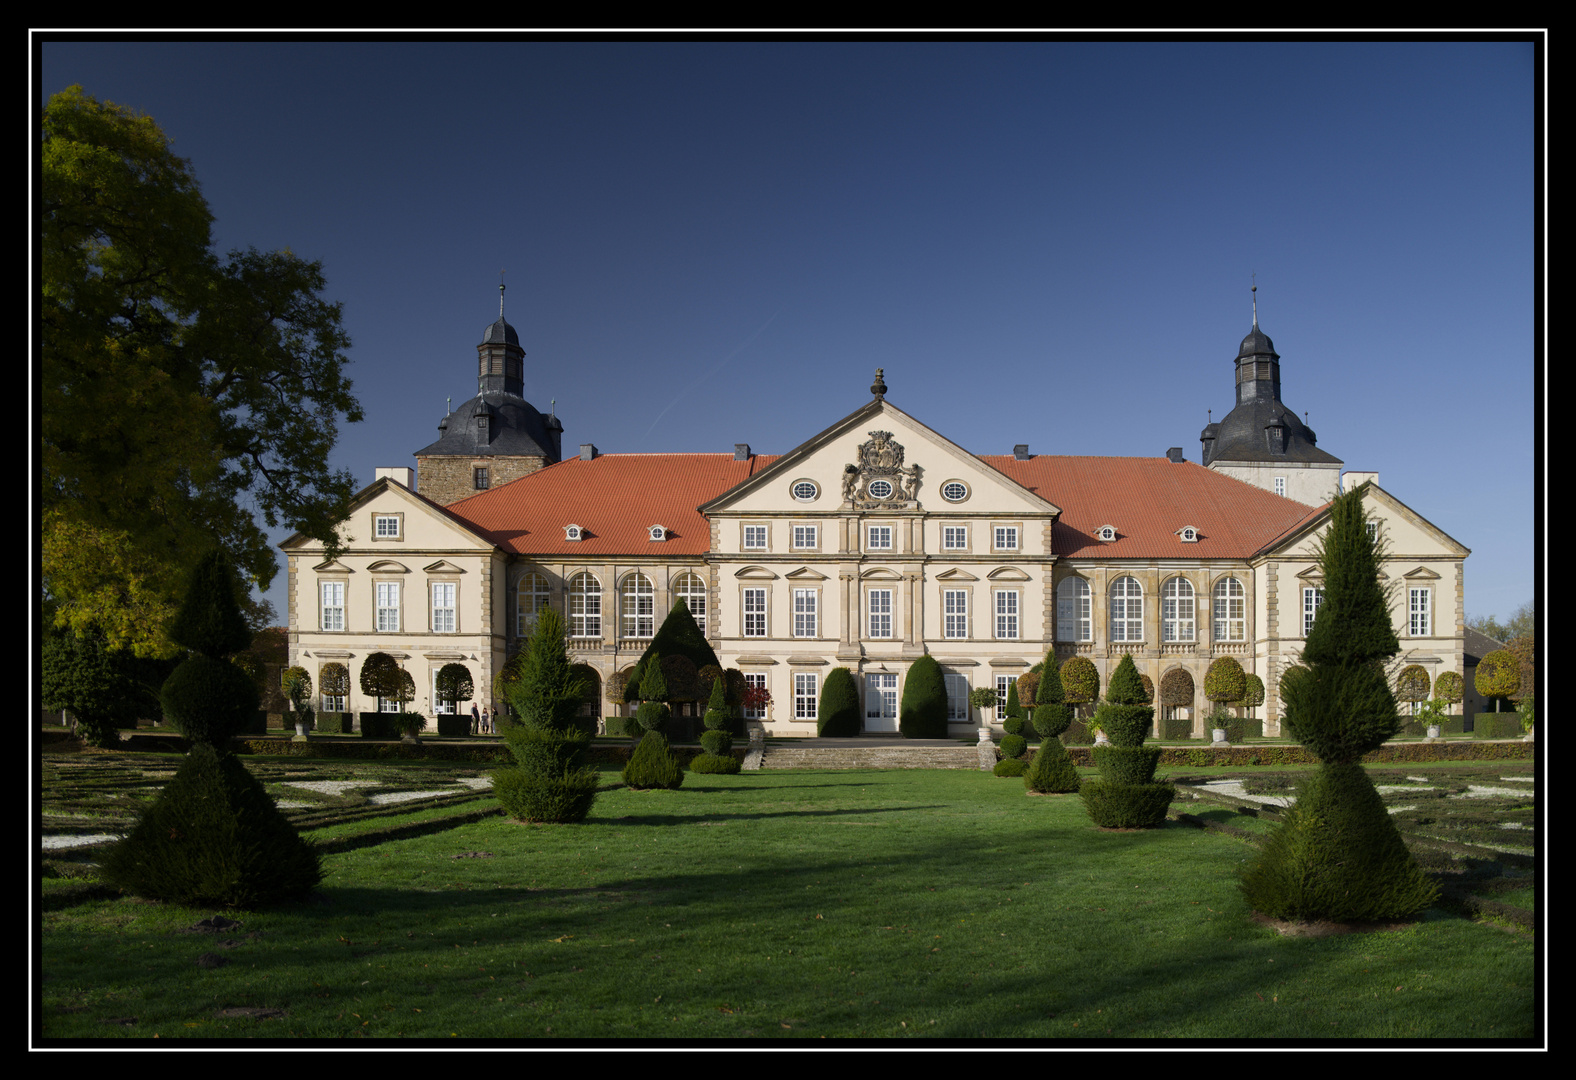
(878, 388)
(1255, 291)
(500, 294)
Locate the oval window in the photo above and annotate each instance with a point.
(880, 489)
(954, 491)
(805, 490)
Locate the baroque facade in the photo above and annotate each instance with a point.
(873, 543)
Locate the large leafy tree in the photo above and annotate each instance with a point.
(183, 394)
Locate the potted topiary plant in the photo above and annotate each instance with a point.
(1432, 716)
(297, 685)
(1217, 726)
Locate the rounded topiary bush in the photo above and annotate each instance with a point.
(213, 837)
(652, 765)
(1013, 746)
(837, 713)
(923, 712)
(715, 764)
(560, 799)
(209, 699)
(1127, 764)
(1126, 806)
(1010, 767)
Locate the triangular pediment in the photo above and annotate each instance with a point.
(879, 460)
(332, 566)
(422, 523)
(443, 566)
(1421, 573)
(1406, 533)
(804, 573)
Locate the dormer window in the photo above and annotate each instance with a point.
(1188, 534)
(1106, 533)
(572, 532)
(657, 533)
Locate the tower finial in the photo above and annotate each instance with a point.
(878, 388)
(1255, 299)
(500, 294)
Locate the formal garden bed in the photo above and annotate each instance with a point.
(765, 905)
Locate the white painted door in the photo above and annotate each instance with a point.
(880, 702)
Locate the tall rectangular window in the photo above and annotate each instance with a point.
(1311, 599)
(804, 697)
(879, 602)
(955, 609)
(1006, 685)
(1280, 485)
(333, 605)
(880, 537)
(479, 478)
(443, 607)
(957, 699)
(804, 613)
(760, 681)
(1419, 622)
(755, 613)
(388, 606)
(955, 537)
(1007, 615)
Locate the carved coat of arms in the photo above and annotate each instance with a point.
(879, 481)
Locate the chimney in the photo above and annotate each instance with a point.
(1352, 480)
(403, 477)
(587, 451)
(741, 451)
(1021, 452)
(1174, 454)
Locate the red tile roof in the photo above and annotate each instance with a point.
(1148, 500)
(614, 498)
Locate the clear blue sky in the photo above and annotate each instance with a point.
(1051, 243)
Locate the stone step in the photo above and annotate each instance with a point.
(868, 757)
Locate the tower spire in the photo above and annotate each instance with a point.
(1255, 291)
(500, 294)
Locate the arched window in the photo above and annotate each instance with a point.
(531, 597)
(1229, 610)
(1127, 610)
(1176, 610)
(637, 601)
(1074, 611)
(585, 606)
(690, 589)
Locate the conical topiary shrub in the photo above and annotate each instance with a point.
(213, 837)
(1051, 771)
(653, 765)
(923, 712)
(1336, 854)
(206, 697)
(717, 740)
(547, 783)
(1125, 796)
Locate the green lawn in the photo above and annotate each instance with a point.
(788, 904)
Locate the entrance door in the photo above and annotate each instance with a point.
(880, 702)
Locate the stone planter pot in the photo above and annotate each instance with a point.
(1433, 732)
(300, 735)
(1100, 739)
(1219, 736)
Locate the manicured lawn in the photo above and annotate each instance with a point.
(792, 905)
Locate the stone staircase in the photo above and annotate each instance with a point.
(896, 756)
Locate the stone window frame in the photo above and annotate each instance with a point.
(891, 536)
(744, 535)
(1015, 615)
(1181, 624)
(1075, 591)
(433, 584)
(1125, 626)
(813, 594)
(890, 615)
(804, 704)
(967, 614)
(963, 527)
(398, 518)
(1416, 612)
(342, 582)
(689, 585)
(1015, 531)
(794, 537)
(1220, 609)
(629, 589)
(765, 612)
(379, 585)
(589, 621)
(524, 619)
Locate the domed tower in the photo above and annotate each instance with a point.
(1260, 440)
(496, 436)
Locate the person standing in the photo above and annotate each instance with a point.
(476, 719)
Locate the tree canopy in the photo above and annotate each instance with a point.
(182, 394)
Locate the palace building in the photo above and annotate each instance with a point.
(872, 543)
